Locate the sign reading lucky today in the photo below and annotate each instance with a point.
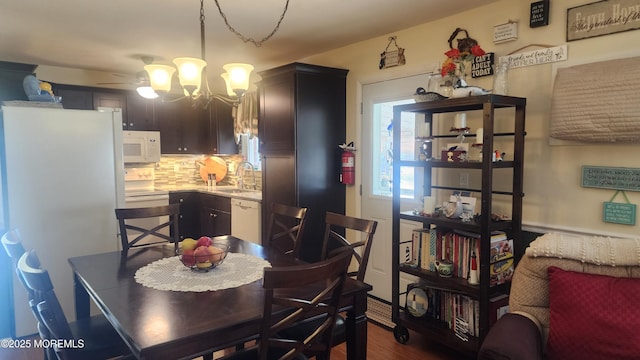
(602, 18)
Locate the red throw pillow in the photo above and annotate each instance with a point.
(593, 316)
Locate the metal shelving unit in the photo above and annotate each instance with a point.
(482, 224)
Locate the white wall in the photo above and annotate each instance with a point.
(553, 195)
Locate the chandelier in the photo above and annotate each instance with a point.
(192, 74)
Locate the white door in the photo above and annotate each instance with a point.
(378, 101)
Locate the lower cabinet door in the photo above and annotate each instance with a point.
(214, 222)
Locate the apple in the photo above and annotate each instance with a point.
(202, 254)
(189, 244)
(217, 254)
(187, 257)
(204, 241)
(204, 265)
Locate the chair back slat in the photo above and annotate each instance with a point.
(12, 243)
(361, 247)
(286, 228)
(321, 284)
(124, 216)
(38, 280)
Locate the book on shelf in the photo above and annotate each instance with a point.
(454, 309)
(430, 244)
(421, 254)
(502, 262)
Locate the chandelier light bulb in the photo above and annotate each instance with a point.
(160, 77)
(190, 72)
(225, 77)
(238, 76)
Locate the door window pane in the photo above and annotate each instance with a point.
(382, 169)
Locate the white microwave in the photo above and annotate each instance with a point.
(141, 146)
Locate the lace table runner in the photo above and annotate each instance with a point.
(171, 274)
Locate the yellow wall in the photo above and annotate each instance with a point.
(554, 198)
(553, 195)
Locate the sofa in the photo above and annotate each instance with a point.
(572, 297)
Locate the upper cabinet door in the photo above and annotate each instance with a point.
(140, 113)
(221, 137)
(79, 98)
(183, 129)
(113, 99)
(277, 114)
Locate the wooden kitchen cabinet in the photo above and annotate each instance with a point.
(74, 97)
(215, 215)
(183, 129)
(189, 208)
(11, 77)
(302, 120)
(221, 137)
(188, 130)
(113, 99)
(140, 113)
(277, 99)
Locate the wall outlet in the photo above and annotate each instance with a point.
(464, 179)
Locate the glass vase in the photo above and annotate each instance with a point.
(501, 78)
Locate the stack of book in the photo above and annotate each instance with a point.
(456, 310)
(429, 245)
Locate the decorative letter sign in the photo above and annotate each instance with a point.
(539, 14)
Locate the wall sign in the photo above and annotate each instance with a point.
(389, 58)
(539, 14)
(536, 57)
(602, 18)
(619, 213)
(616, 178)
(505, 32)
(482, 65)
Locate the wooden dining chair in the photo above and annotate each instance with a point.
(303, 291)
(336, 225)
(149, 236)
(285, 228)
(12, 244)
(89, 338)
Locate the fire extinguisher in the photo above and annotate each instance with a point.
(348, 169)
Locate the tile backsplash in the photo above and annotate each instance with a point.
(177, 170)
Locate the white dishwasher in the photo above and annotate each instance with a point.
(246, 222)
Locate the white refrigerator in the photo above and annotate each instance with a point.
(63, 176)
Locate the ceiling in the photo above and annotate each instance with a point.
(112, 35)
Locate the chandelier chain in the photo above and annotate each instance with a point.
(202, 42)
(255, 42)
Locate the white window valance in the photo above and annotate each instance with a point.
(597, 102)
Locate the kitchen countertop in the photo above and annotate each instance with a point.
(228, 191)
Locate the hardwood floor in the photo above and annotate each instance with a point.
(381, 345)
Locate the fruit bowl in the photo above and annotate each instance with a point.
(202, 255)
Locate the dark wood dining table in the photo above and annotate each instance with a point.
(159, 324)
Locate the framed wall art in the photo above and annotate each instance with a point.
(602, 18)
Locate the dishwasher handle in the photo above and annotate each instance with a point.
(244, 205)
